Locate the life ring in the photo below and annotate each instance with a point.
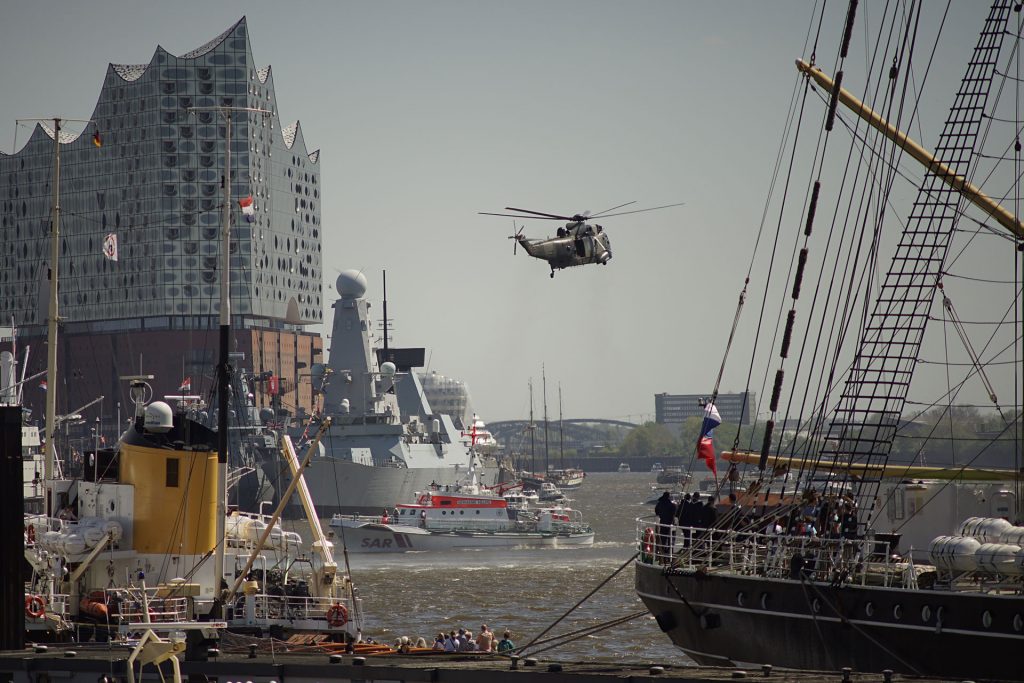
(337, 616)
(35, 606)
(30, 534)
(647, 546)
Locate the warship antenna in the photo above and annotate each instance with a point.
(385, 275)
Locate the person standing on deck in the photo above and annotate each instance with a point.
(666, 511)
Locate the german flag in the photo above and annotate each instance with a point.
(96, 139)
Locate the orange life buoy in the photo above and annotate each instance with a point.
(337, 616)
(35, 606)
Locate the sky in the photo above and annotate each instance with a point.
(427, 113)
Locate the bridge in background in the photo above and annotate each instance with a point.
(580, 434)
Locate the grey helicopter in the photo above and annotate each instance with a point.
(577, 243)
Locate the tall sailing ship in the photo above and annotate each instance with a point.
(804, 567)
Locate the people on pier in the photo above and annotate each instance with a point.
(506, 644)
(485, 639)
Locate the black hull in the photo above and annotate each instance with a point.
(734, 620)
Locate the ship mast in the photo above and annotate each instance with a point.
(544, 383)
(561, 452)
(223, 364)
(533, 434)
(51, 324)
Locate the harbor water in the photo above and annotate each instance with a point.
(525, 591)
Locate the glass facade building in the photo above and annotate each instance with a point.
(675, 408)
(156, 182)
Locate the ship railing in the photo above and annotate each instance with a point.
(133, 609)
(766, 554)
(266, 607)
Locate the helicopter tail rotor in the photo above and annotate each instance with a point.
(517, 236)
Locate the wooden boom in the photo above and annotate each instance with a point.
(889, 471)
(969, 191)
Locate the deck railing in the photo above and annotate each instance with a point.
(841, 560)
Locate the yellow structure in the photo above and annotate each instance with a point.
(175, 498)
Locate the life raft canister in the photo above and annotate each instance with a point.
(337, 616)
(35, 606)
(647, 546)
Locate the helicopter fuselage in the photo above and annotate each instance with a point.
(577, 244)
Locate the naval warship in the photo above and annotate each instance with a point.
(385, 442)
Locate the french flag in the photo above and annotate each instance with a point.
(248, 210)
(706, 445)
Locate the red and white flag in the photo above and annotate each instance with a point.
(706, 452)
(248, 210)
(186, 384)
(110, 247)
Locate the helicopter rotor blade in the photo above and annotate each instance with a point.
(653, 208)
(539, 213)
(515, 215)
(600, 213)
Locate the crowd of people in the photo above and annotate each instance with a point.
(828, 516)
(461, 640)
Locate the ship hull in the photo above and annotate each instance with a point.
(731, 619)
(345, 487)
(362, 537)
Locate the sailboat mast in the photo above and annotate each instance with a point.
(561, 451)
(51, 323)
(544, 381)
(533, 434)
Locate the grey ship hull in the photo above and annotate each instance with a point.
(367, 469)
(340, 486)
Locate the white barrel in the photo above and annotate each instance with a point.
(72, 544)
(1014, 535)
(114, 529)
(985, 529)
(954, 553)
(237, 526)
(92, 535)
(998, 558)
(254, 530)
(51, 540)
(276, 538)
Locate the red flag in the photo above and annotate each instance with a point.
(186, 384)
(706, 452)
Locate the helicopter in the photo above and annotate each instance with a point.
(576, 244)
